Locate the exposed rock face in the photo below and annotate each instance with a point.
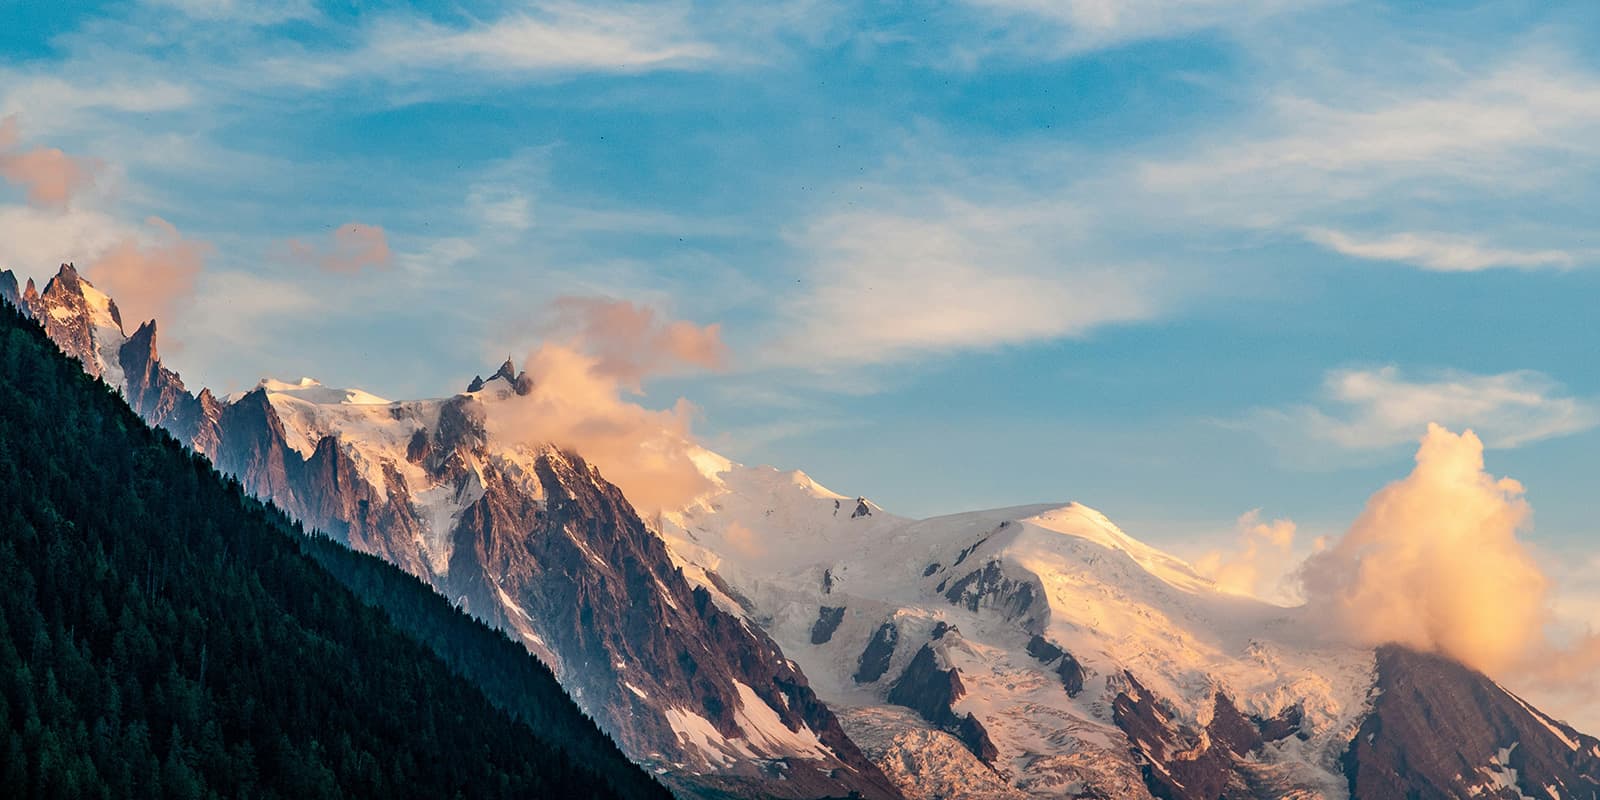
(1285, 724)
(1186, 763)
(1071, 672)
(875, 658)
(8, 288)
(71, 310)
(828, 619)
(990, 587)
(1440, 730)
(931, 690)
(158, 394)
(928, 763)
(67, 318)
(1177, 764)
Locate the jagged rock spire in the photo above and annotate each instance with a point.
(8, 287)
(507, 370)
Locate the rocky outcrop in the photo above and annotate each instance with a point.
(828, 619)
(875, 657)
(159, 396)
(932, 690)
(1440, 730)
(255, 449)
(9, 290)
(1065, 666)
(1180, 762)
(990, 587)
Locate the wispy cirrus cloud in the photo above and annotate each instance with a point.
(1441, 252)
(1369, 410)
(254, 12)
(1319, 153)
(550, 38)
(349, 249)
(1059, 28)
(890, 284)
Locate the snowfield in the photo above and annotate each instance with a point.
(777, 547)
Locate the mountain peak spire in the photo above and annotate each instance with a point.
(508, 370)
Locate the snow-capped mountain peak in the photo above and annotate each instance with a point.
(311, 390)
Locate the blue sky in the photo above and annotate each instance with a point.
(1176, 259)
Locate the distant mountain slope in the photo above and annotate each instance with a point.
(164, 635)
(1040, 651)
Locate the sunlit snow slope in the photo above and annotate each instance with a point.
(1060, 581)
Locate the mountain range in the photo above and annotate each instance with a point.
(774, 638)
(164, 634)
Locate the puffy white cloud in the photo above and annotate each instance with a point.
(1434, 563)
(577, 400)
(1259, 563)
(1437, 562)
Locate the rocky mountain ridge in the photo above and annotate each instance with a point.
(534, 541)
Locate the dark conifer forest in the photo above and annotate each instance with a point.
(163, 635)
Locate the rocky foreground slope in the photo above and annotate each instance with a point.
(777, 639)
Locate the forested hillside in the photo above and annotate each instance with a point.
(164, 635)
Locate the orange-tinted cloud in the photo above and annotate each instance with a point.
(1434, 563)
(577, 398)
(150, 280)
(1258, 566)
(354, 246)
(50, 176)
(577, 405)
(631, 342)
